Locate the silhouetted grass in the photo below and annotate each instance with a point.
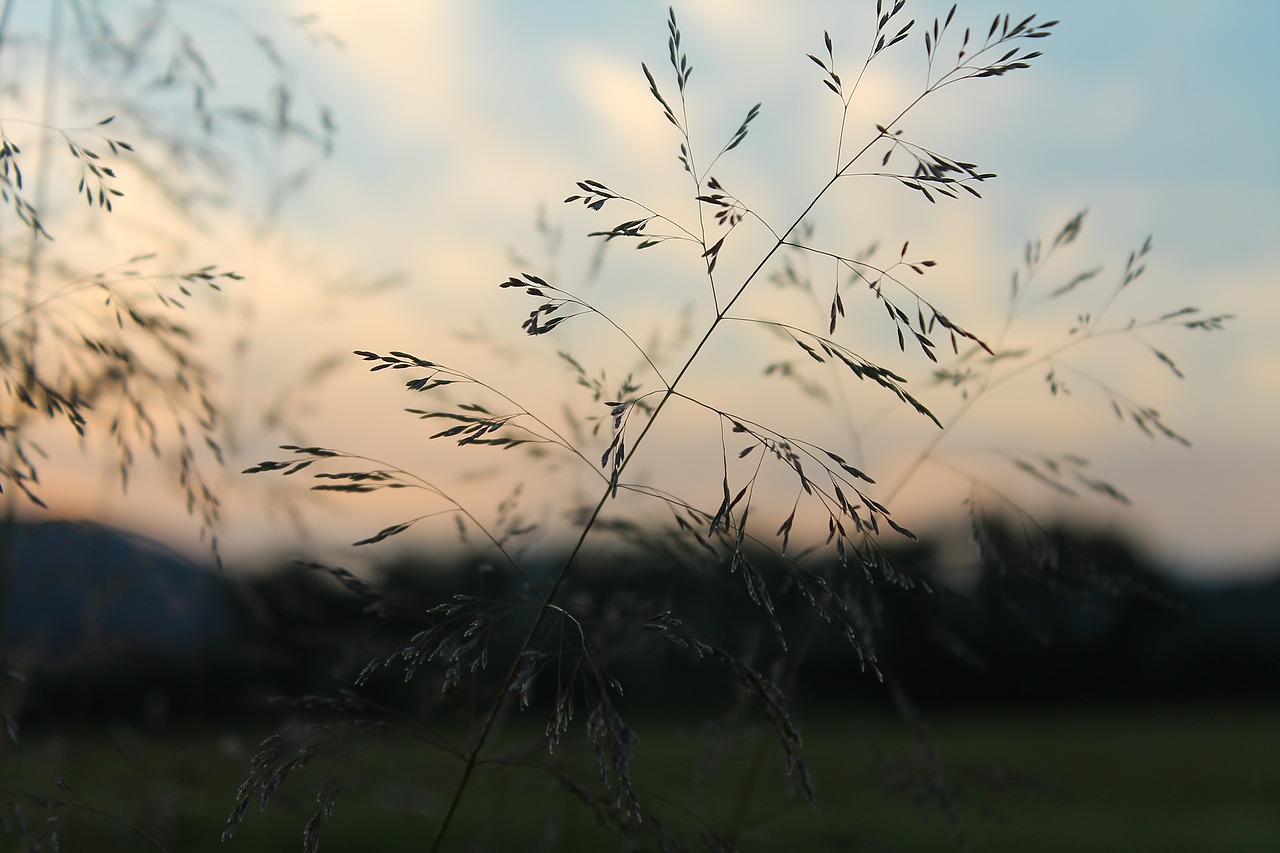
(554, 643)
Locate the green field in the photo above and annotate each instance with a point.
(1066, 780)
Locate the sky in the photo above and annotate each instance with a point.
(462, 126)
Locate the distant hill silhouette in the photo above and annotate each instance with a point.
(99, 616)
(81, 592)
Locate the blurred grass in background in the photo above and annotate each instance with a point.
(1098, 779)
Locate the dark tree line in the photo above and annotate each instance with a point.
(1005, 637)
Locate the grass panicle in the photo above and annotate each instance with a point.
(801, 529)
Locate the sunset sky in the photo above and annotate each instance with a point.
(459, 125)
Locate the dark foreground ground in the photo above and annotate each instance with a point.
(1140, 715)
(1161, 779)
